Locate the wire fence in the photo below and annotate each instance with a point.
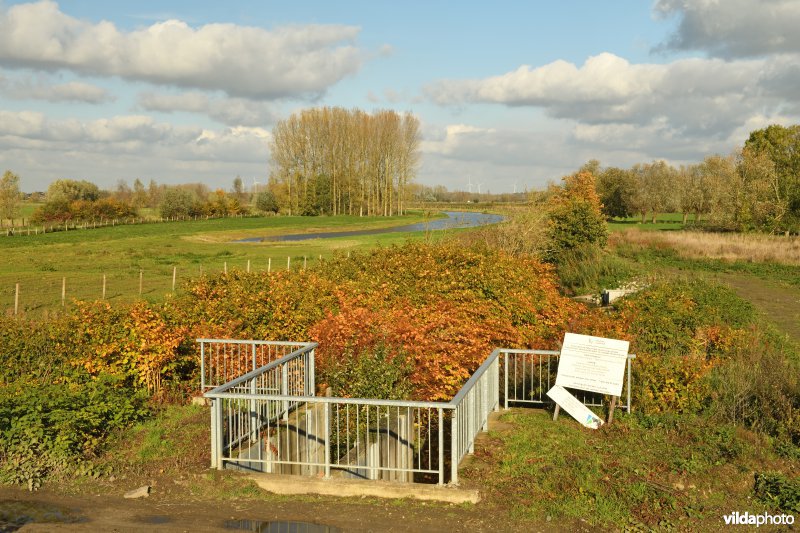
(50, 291)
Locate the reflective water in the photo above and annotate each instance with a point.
(455, 219)
(15, 514)
(279, 527)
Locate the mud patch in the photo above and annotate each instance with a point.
(15, 514)
(279, 527)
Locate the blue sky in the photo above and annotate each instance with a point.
(510, 95)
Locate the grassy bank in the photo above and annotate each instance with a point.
(40, 263)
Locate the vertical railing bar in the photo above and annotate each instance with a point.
(441, 446)
(454, 448)
(214, 433)
(202, 366)
(505, 377)
(338, 435)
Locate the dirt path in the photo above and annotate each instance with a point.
(778, 302)
(58, 512)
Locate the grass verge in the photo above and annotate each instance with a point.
(640, 473)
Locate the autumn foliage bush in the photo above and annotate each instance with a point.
(443, 308)
(701, 349)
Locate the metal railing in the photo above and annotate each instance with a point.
(270, 420)
(529, 374)
(471, 408)
(237, 415)
(223, 360)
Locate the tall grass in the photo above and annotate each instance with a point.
(754, 248)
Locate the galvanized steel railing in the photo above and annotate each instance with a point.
(269, 419)
(529, 374)
(471, 407)
(222, 360)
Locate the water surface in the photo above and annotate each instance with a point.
(455, 219)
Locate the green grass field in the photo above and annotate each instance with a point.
(40, 263)
(664, 222)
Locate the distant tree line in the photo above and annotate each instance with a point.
(755, 189)
(440, 193)
(80, 200)
(334, 160)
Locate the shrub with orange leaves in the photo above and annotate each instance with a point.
(445, 308)
(136, 343)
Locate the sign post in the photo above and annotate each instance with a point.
(593, 364)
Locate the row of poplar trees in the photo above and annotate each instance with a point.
(340, 161)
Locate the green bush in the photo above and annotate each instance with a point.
(588, 268)
(758, 386)
(575, 218)
(377, 373)
(33, 351)
(778, 490)
(671, 316)
(57, 429)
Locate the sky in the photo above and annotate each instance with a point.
(511, 95)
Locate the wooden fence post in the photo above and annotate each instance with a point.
(269, 265)
(16, 299)
(289, 263)
(63, 291)
(225, 267)
(248, 266)
(174, 275)
(104, 287)
(141, 280)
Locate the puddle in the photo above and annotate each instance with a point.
(15, 514)
(279, 527)
(155, 519)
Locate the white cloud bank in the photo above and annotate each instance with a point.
(250, 62)
(695, 96)
(31, 88)
(127, 147)
(228, 111)
(733, 28)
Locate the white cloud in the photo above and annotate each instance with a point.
(696, 96)
(733, 28)
(228, 111)
(497, 158)
(31, 88)
(127, 147)
(250, 62)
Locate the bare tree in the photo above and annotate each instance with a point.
(331, 160)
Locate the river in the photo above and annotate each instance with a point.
(455, 219)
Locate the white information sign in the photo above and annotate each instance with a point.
(593, 364)
(574, 407)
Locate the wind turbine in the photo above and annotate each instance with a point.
(255, 186)
(479, 187)
(469, 183)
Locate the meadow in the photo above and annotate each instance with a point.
(716, 396)
(41, 263)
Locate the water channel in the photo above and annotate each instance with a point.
(455, 219)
